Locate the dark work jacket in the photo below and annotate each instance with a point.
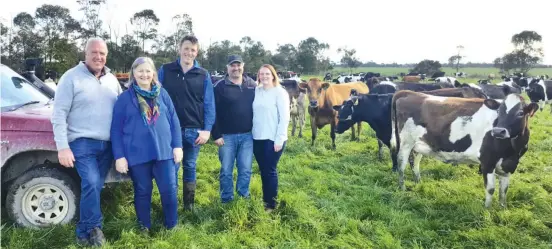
(191, 93)
(234, 105)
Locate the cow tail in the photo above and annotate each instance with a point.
(395, 123)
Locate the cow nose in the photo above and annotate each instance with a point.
(314, 103)
(501, 133)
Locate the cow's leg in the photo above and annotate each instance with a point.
(489, 180)
(402, 158)
(332, 134)
(313, 130)
(416, 167)
(380, 151)
(293, 123)
(394, 155)
(504, 181)
(359, 130)
(353, 132)
(301, 123)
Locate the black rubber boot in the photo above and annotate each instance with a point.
(189, 195)
(97, 237)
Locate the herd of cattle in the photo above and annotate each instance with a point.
(484, 124)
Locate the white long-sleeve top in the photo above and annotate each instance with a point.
(271, 114)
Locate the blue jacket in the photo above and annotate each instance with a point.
(138, 143)
(191, 93)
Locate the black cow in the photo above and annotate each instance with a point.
(369, 75)
(437, 75)
(540, 92)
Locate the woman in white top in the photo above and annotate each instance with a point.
(270, 125)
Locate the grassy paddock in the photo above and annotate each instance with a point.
(339, 199)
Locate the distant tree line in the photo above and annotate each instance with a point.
(51, 33)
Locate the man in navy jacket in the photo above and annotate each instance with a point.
(191, 91)
(234, 97)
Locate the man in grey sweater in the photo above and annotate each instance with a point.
(81, 120)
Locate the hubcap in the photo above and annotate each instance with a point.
(45, 204)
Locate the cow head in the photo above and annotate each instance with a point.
(314, 88)
(513, 114)
(345, 113)
(372, 82)
(507, 89)
(537, 93)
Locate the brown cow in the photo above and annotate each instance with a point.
(322, 97)
(412, 78)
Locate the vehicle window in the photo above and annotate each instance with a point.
(16, 90)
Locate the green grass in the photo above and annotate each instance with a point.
(339, 199)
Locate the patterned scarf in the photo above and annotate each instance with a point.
(149, 115)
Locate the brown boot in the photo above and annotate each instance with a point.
(189, 195)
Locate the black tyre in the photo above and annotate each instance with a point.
(42, 197)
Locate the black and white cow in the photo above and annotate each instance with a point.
(461, 74)
(456, 130)
(540, 92)
(346, 79)
(492, 91)
(450, 80)
(515, 88)
(375, 109)
(296, 104)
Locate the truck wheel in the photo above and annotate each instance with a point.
(42, 197)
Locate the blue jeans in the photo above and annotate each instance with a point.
(268, 159)
(142, 175)
(191, 153)
(237, 148)
(93, 158)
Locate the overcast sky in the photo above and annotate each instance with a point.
(383, 31)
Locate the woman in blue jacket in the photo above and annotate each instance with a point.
(147, 141)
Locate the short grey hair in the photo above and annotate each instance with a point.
(93, 40)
